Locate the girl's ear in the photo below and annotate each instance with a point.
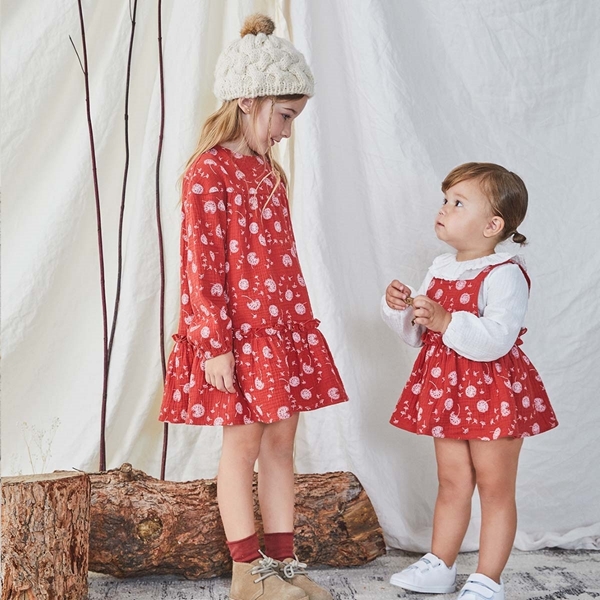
(245, 104)
(494, 227)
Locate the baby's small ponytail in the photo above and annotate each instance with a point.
(519, 238)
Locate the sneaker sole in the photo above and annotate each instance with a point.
(448, 589)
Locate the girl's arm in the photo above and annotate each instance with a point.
(502, 305)
(204, 257)
(400, 320)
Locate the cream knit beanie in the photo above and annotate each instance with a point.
(261, 64)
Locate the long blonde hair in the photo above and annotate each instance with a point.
(225, 125)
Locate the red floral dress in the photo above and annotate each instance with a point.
(242, 290)
(448, 395)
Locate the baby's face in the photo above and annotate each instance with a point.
(464, 216)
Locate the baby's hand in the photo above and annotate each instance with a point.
(397, 295)
(431, 314)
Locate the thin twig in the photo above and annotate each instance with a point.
(163, 465)
(100, 248)
(124, 189)
(77, 54)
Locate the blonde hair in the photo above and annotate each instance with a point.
(225, 125)
(505, 191)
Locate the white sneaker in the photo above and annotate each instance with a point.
(429, 575)
(481, 587)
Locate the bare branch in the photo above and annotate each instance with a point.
(77, 54)
(124, 188)
(159, 227)
(100, 246)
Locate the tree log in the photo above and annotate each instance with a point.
(45, 532)
(144, 526)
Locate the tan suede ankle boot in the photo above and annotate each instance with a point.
(294, 572)
(260, 580)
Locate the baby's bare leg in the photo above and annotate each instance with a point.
(456, 483)
(496, 473)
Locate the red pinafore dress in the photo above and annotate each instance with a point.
(448, 395)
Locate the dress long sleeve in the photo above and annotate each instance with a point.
(209, 326)
(502, 304)
(399, 321)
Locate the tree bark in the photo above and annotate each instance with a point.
(45, 532)
(144, 526)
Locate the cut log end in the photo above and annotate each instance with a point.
(45, 531)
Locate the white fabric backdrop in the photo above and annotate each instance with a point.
(406, 90)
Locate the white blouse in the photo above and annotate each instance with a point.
(502, 305)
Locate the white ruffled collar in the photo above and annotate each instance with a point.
(446, 266)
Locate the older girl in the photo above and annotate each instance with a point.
(249, 355)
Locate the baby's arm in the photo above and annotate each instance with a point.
(398, 313)
(503, 303)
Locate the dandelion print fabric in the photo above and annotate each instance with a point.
(242, 290)
(448, 395)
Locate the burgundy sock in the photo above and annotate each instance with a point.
(246, 550)
(279, 545)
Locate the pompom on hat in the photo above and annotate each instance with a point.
(261, 64)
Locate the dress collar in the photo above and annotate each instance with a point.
(446, 266)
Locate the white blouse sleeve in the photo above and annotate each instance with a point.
(399, 321)
(502, 306)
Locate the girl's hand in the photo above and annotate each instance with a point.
(431, 314)
(220, 372)
(396, 294)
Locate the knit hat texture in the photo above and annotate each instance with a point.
(261, 64)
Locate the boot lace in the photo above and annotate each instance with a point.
(294, 567)
(266, 568)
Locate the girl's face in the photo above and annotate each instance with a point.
(466, 221)
(273, 121)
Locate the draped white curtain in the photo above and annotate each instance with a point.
(405, 90)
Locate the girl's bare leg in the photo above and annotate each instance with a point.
(241, 445)
(276, 475)
(496, 474)
(456, 483)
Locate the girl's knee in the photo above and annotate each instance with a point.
(456, 488)
(493, 488)
(458, 482)
(276, 448)
(244, 448)
(278, 440)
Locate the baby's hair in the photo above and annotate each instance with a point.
(505, 191)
